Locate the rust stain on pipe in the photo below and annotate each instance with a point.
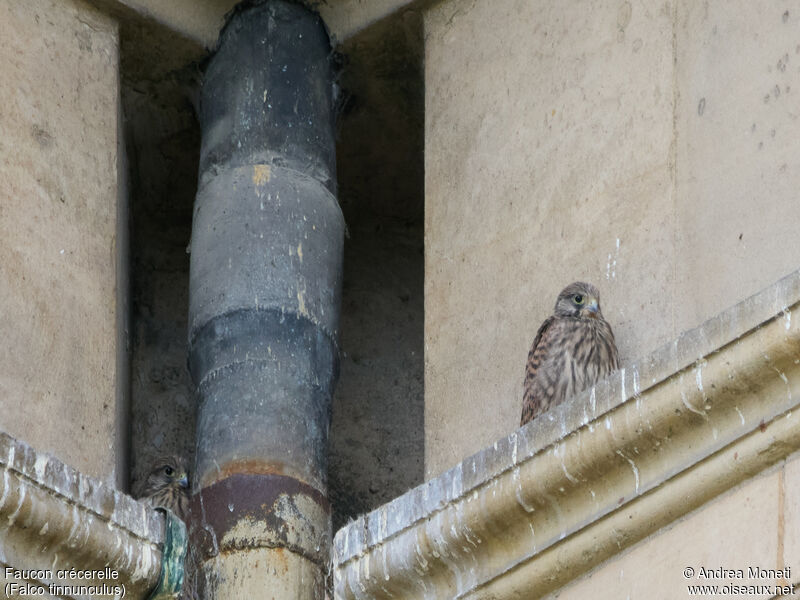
(247, 510)
(247, 466)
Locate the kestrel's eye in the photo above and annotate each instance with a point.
(169, 471)
(578, 299)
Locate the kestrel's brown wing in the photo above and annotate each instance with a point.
(531, 405)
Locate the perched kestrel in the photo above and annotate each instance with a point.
(573, 349)
(167, 486)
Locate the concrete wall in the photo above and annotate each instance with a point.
(650, 148)
(163, 140)
(766, 511)
(376, 447)
(59, 360)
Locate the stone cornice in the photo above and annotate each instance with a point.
(560, 495)
(53, 517)
(200, 22)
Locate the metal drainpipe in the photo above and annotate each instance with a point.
(265, 289)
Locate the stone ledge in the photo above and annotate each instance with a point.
(201, 21)
(560, 495)
(53, 517)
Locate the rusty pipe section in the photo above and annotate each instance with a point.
(54, 519)
(265, 288)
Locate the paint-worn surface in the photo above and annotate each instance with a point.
(594, 476)
(234, 578)
(251, 510)
(264, 301)
(377, 424)
(58, 228)
(172, 580)
(650, 148)
(54, 518)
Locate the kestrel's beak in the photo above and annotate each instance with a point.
(593, 308)
(184, 482)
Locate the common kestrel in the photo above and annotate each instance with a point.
(573, 350)
(167, 486)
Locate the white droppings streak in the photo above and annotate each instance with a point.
(785, 380)
(787, 318)
(473, 539)
(11, 453)
(593, 402)
(74, 526)
(40, 466)
(13, 516)
(143, 565)
(5, 488)
(564, 468)
(635, 470)
(689, 406)
(622, 380)
(514, 451)
(636, 388)
(741, 416)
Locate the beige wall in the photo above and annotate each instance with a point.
(758, 522)
(651, 148)
(58, 220)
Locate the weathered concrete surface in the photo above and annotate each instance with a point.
(556, 498)
(737, 136)
(377, 429)
(164, 141)
(53, 517)
(58, 228)
(749, 527)
(788, 513)
(232, 582)
(200, 22)
(626, 144)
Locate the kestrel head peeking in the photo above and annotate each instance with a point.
(167, 485)
(573, 350)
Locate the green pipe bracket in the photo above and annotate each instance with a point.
(173, 556)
